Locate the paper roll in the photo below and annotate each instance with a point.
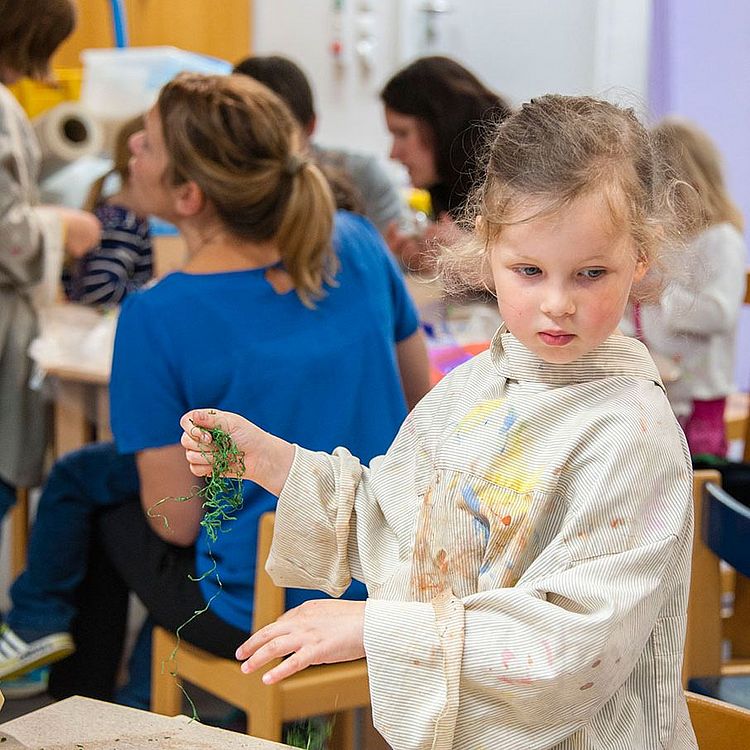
(66, 133)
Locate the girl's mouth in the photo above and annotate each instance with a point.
(556, 338)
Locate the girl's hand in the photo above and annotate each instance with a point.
(83, 231)
(321, 631)
(410, 249)
(267, 459)
(198, 443)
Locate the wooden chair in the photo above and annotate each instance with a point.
(737, 412)
(718, 725)
(722, 531)
(325, 689)
(19, 524)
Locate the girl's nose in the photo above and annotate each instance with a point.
(558, 303)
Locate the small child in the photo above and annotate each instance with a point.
(694, 324)
(526, 539)
(123, 260)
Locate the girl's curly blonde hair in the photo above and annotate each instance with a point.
(550, 152)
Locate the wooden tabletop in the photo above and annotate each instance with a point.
(85, 724)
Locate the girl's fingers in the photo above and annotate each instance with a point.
(207, 418)
(273, 649)
(256, 640)
(295, 663)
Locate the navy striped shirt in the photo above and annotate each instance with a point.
(122, 262)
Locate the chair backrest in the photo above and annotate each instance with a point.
(725, 527)
(268, 599)
(718, 725)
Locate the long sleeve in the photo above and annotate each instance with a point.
(30, 241)
(694, 325)
(122, 262)
(21, 234)
(710, 303)
(316, 545)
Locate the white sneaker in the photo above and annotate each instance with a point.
(28, 685)
(18, 657)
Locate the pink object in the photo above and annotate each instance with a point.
(704, 428)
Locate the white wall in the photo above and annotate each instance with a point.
(522, 48)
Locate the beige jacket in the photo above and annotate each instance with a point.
(26, 234)
(526, 547)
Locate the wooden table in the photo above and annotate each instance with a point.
(85, 724)
(81, 407)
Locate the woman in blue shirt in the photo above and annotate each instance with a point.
(304, 325)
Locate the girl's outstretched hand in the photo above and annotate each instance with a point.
(267, 459)
(321, 631)
(198, 443)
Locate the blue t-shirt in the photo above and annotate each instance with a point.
(320, 378)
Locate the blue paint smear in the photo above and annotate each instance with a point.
(480, 522)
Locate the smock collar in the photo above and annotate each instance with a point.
(618, 355)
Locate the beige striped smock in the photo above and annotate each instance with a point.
(526, 547)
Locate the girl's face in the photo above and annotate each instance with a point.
(563, 280)
(411, 147)
(147, 167)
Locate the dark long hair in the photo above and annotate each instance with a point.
(456, 108)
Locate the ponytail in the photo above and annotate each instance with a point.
(304, 235)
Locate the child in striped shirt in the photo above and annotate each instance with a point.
(123, 260)
(526, 539)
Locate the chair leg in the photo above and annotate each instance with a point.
(166, 694)
(735, 628)
(264, 720)
(20, 531)
(344, 731)
(370, 738)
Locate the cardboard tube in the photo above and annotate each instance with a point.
(66, 133)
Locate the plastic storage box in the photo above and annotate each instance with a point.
(37, 97)
(123, 82)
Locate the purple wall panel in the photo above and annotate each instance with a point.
(700, 55)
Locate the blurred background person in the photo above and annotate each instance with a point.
(438, 113)
(358, 180)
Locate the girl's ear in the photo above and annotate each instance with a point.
(641, 267)
(189, 199)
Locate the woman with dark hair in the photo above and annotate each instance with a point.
(437, 112)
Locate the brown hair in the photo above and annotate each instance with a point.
(31, 31)
(694, 159)
(453, 108)
(120, 159)
(239, 143)
(556, 149)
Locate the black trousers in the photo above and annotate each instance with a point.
(126, 555)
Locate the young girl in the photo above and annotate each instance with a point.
(694, 325)
(30, 236)
(526, 539)
(123, 260)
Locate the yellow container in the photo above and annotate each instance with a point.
(37, 97)
(419, 200)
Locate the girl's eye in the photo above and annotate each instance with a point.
(527, 271)
(593, 273)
